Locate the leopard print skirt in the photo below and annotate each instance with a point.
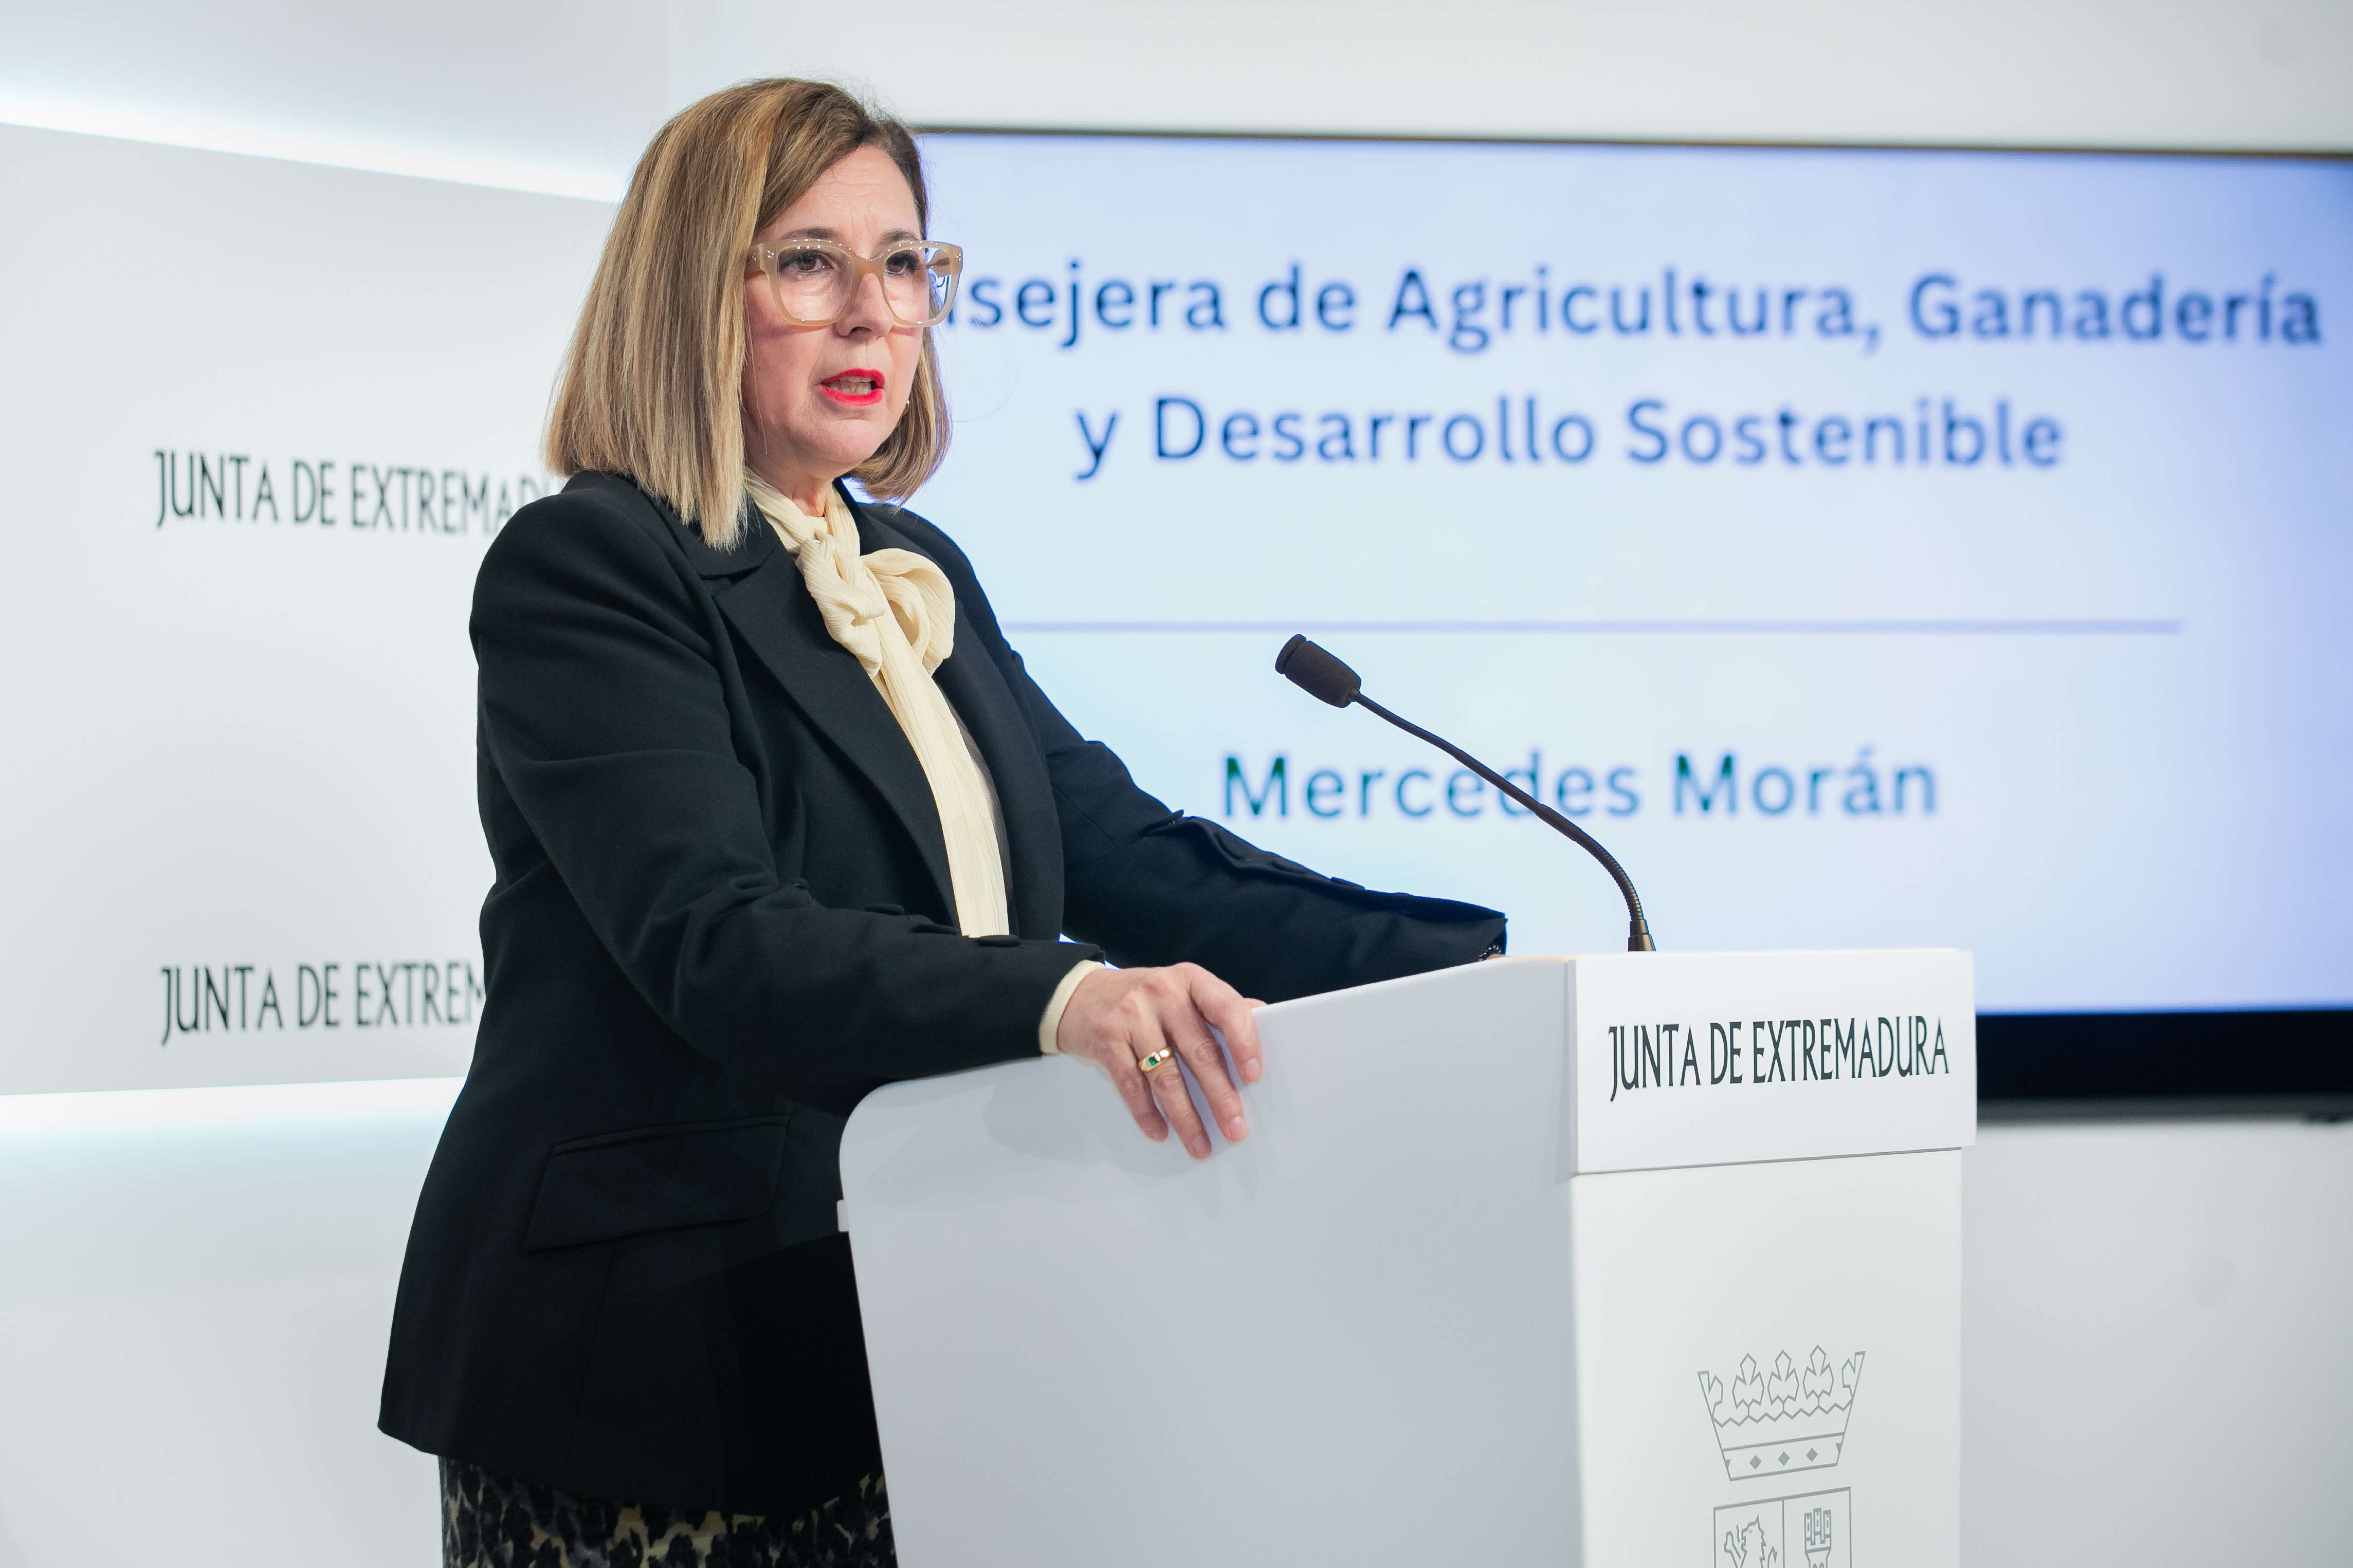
(490, 1521)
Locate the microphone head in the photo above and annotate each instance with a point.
(1317, 673)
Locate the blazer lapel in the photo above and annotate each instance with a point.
(766, 604)
(976, 688)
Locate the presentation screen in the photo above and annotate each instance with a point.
(1871, 548)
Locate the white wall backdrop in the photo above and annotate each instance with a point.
(2104, 72)
(560, 96)
(537, 96)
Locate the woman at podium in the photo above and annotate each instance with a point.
(776, 817)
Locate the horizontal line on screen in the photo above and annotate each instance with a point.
(2143, 628)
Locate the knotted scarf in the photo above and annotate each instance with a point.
(894, 611)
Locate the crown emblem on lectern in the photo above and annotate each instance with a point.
(1791, 1418)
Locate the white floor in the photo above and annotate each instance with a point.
(195, 1288)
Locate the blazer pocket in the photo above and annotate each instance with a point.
(657, 1178)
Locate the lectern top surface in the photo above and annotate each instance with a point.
(1650, 1060)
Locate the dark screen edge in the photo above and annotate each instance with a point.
(2257, 1062)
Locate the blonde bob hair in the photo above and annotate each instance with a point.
(653, 385)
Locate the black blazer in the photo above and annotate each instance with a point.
(720, 916)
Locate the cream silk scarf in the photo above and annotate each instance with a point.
(894, 610)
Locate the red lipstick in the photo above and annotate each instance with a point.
(859, 387)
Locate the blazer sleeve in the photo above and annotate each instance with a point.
(1154, 886)
(604, 714)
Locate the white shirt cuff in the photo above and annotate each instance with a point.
(1051, 1024)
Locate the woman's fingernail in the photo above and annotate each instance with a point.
(1200, 1147)
(1251, 1070)
(1236, 1131)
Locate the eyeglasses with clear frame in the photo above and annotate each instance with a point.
(813, 281)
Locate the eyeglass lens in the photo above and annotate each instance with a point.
(817, 282)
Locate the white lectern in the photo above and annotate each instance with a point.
(1646, 1258)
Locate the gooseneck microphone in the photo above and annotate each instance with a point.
(1317, 672)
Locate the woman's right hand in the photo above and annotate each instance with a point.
(1117, 1017)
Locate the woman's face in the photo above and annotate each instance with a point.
(818, 401)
